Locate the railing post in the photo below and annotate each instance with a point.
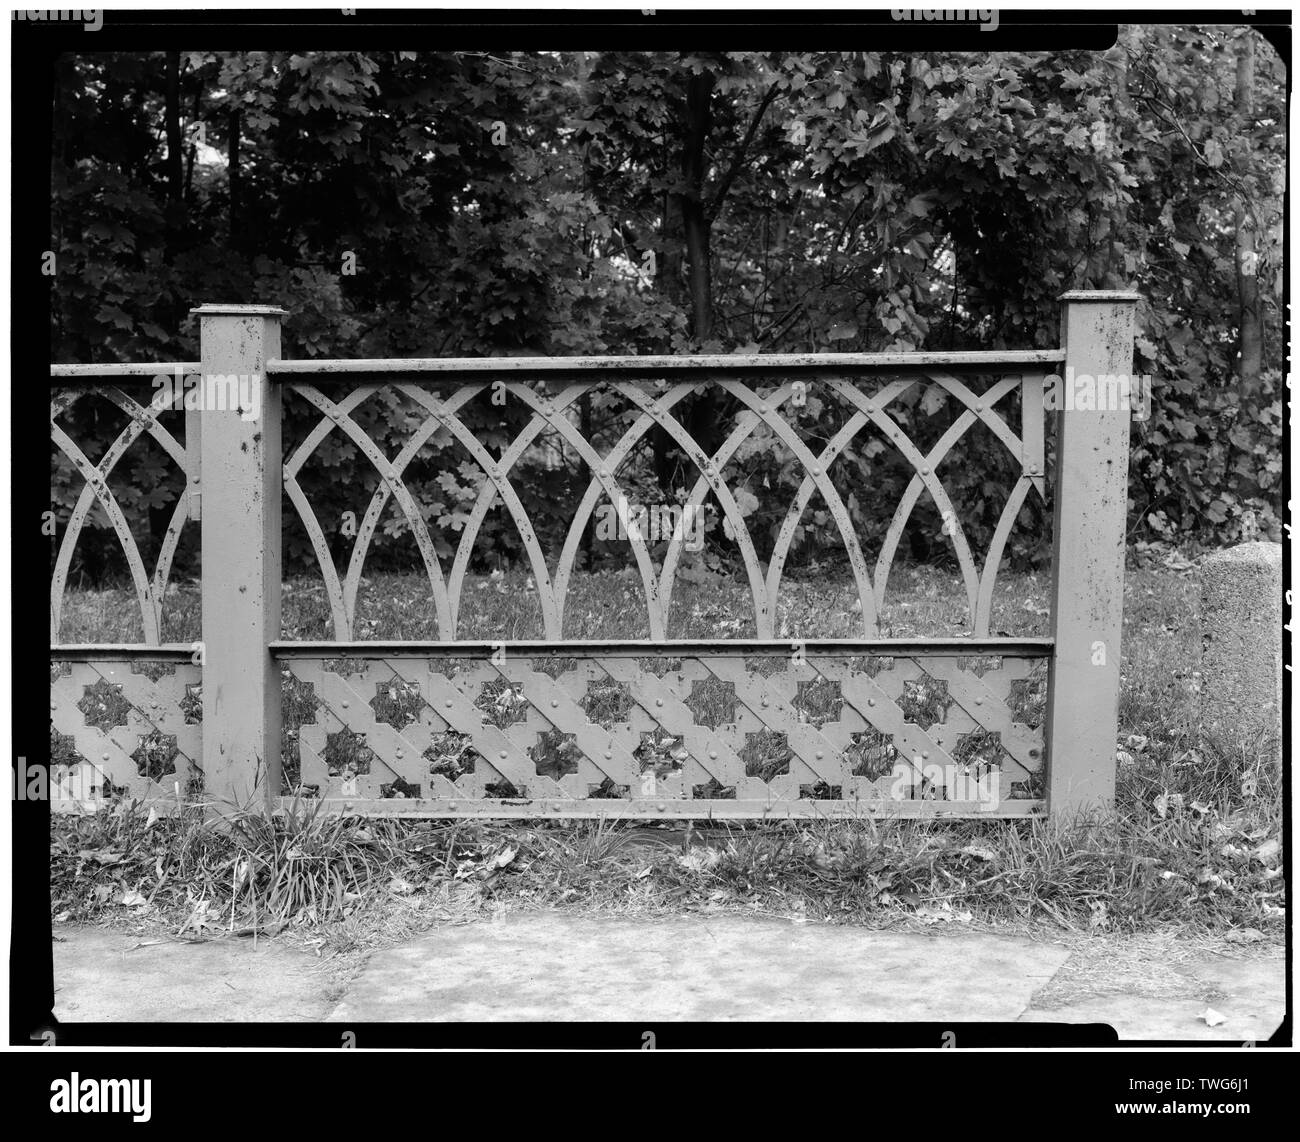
(241, 480)
(1089, 520)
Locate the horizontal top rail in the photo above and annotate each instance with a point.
(123, 369)
(725, 364)
(665, 648)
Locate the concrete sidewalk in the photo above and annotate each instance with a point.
(550, 966)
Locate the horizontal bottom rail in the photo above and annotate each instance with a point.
(718, 809)
(667, 648)
(93, 652)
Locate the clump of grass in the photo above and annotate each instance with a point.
(248, 869)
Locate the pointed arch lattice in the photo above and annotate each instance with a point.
(142, 409)
(772, 408)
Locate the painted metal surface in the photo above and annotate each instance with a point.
(775, 412)
(1090, 516)
(134, 723)
(241, 558)
(560, 753)
(724, 733)
(729, 364)
(142, 409)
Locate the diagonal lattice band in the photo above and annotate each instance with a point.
(802, 734)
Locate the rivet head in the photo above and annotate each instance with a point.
(399, 754)
(713, 755)
(871, 701)
(554, 703)
(925, 471)
(448, 703)
(819, 754)
(662, 807)
(979, 408)
(979, 701)
(451, 805)
(659, 701)
(762, 408)
(608, 754)
(344, 705)
(105, 756)
(925, 753)
(763, 702)
(503, 755)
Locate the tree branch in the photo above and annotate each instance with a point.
(715, 203)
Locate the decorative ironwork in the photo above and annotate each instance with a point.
(142, 420)
(415, 735)
(124, 725)
(743, 727)
(653, 405)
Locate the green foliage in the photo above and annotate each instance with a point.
(468, 204)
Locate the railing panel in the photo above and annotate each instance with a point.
(125, 724)
(739, 727)
(685, 731)
(143, 409)
(821, 452)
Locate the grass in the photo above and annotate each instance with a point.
(1192, 846)
(922, 600)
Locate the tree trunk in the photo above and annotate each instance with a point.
(174, 210)
(172, 113)
(1251, 338)
(695, 223)
(1113, 227)
(236, 182)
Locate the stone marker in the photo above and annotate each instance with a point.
(1241, 643)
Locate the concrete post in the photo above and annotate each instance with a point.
(1090, 496)
(1241, 645)
(241, 481)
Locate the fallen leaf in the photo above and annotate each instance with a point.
(981, 854)
(942, 915)
(400, 887)
(699, 860)
(503, 858)
(1267, 851)
(1167, 801)
(100, 857)
(1212, 1018)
